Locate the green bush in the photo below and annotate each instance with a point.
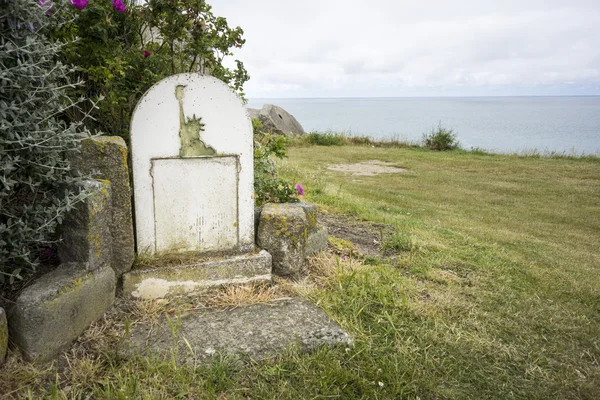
(325, 139)
(268, 187)
(440, 139)
(34, 173)
(121, 54)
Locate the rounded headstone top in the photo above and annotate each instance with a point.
(189, 115)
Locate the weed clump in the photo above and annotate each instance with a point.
(440, 139)
(397, 243)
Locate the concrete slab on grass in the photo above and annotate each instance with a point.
(257, 330)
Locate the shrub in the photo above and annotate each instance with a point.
(440, 139)
(268, 187)
(120, 53)
(34, 172)
(325, 139)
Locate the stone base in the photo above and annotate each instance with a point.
(58, 307)
(161, 282)
(258, 330)
(290, 233)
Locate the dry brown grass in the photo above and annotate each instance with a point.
(241, 295)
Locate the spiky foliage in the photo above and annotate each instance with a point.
(34, 171)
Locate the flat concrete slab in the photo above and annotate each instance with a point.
(258, 331)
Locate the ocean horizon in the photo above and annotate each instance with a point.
(506, 124)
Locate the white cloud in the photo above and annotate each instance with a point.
(399, 48)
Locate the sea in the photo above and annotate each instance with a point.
(565, 125)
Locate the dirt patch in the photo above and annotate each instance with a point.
(367, 237)
(367, 168)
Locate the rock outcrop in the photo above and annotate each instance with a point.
(276, 120)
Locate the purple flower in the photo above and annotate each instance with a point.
(119, 6)
(31, 26)
(47, 4)
(300, 189)
(146, 53)
(80, 4)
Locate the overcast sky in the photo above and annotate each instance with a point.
(382, 48)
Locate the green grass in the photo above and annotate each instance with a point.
(493, 292)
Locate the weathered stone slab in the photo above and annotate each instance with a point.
(86, 237)
(3, 336)
(195, 203)
(258, 331)
(198, 123)
(317, 241)
(282, 231)
(105, 157)
(161, 282)
(58, 307)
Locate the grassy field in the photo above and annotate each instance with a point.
(491, 290)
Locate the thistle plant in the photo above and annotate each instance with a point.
(35, 178)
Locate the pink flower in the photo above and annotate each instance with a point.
(119, 6)
(80, 4)
(147, 53)
(300, 189)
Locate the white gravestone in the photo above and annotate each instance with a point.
(192, 158)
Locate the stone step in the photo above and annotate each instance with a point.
(258, 331)
(162, 282)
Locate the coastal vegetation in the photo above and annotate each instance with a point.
(332, 138)
(440, 139)
(121, 48)
(486, 288)
(36, 181)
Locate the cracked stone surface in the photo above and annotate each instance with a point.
(258, 331)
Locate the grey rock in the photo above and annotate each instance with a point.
(282, 231)
(161, 282)
(86, 237)
(311, 216)
(58, 307)
(258, 330)
(3, 336)
(105, 157)
(317, 241)
(253, 113)
(276, 120)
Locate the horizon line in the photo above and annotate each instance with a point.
(419, 97)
